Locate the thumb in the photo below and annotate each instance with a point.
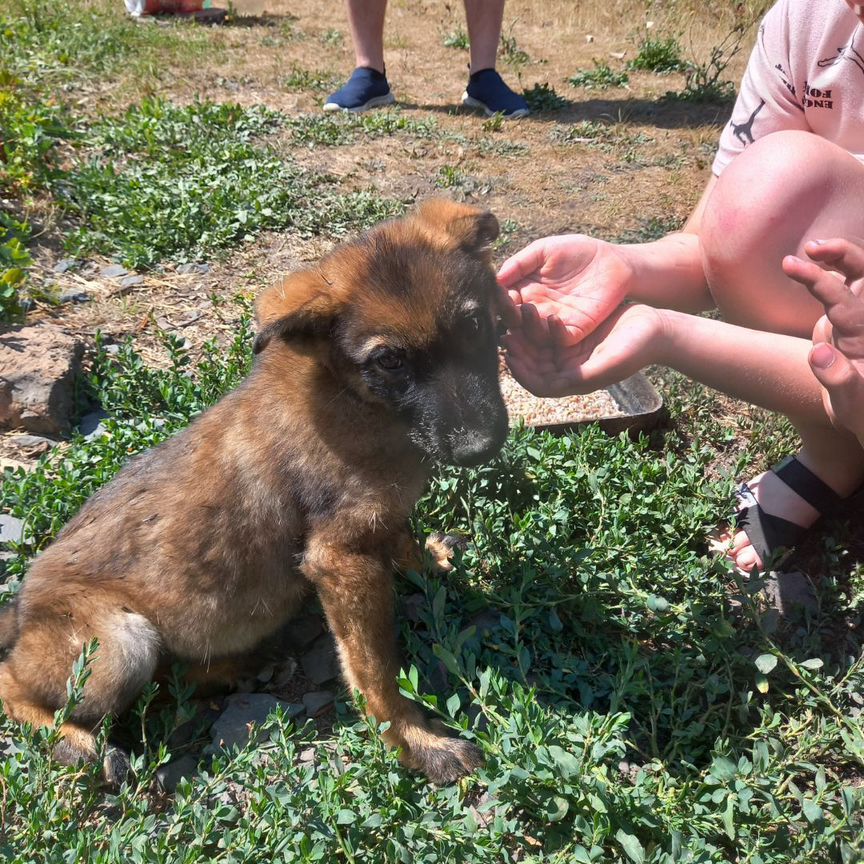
(844, 383)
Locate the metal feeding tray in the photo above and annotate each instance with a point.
(633, 404)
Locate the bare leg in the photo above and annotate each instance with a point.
(783, 190)
(484, 19)
(366, 19)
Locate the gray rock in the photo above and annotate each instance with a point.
(307, 755)
(170, 775)
(112, 349)
(317, 701)
(64, 264)
(131, 281)
(11, 529)
(293, 709)
(242, 712)
(92, 425)
(32, 444)
(77, 297)
(184, 269)
(790, 591)
(37, 388)
(304, 630)
(113, 271)
(321, 664)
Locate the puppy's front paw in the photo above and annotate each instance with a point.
(441, 547)
(441, 758)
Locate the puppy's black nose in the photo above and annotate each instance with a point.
(475, 448)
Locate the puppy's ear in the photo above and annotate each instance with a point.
(302, 306)
(468, 228)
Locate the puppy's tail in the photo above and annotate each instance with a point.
(8, 625)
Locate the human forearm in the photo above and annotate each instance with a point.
(668, 273)
(766, 369)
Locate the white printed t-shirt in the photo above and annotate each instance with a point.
(806, 72)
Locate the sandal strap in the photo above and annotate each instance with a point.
(805, 483)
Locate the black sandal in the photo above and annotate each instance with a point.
(771, 536)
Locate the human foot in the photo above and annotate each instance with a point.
(777, 508)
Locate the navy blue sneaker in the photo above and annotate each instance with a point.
(366, 88)
(488, 92)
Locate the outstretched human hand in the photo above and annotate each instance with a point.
(543, 362)
(835, 277)
(577, 279)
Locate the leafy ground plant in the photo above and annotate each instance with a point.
(601, 77)
(169, 182)
(542, 97)
(658, 55)
(634, 701)
(14, 261)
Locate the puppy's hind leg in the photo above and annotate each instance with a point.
(33, 678)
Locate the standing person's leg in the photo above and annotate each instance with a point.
(782, 191)
(367, 87)
(486, 90)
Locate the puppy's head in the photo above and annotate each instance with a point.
(404, 316)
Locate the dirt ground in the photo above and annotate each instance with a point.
(539, 175)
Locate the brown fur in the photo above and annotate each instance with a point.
(301, 478)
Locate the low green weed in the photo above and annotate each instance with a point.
(166, 182)
(542, 97)
(14, 262)
(457, 39)
(304, 79)
(658, 55)
(601, 77)
(335, 129)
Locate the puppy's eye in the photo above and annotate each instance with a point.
(390, 360)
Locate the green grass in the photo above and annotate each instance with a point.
(542, 97)
(658, 55)
(634, 702)
(164, 182)
(601, 77)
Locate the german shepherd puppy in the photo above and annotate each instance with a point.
(369, 368)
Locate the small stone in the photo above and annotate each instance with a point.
(185, 269)
(131, 281)
(242, 712)
(266, 674)
(33, 445)
(78, 297)
(307, 755)
(294, 709)
(788, 591)
(37, 388)
(317, 701)
(92, 425)
(113, 271)
(321, 664)
(11, 529)
(304, 630)
(170, 775)
(112, 350)
(64, 264)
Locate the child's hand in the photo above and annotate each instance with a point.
(577, 279)
(837, 356)
(543, 362)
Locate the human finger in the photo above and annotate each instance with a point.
(823, 285)
(844, 384)
(523, 263)
(838, 253)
